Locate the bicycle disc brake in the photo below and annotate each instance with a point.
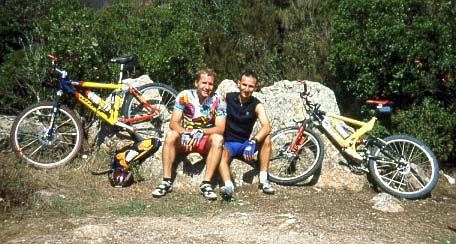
(47, 136)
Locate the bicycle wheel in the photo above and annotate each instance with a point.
(289, 168)
(161, 96)
(34, 142)
(404, 167)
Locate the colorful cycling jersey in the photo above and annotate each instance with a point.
(198, 115)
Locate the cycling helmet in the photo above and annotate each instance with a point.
(120, 178)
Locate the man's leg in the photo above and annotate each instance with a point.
(227, 191)
(214, 147)
(224, 168)
(264, 155)
(168, 156)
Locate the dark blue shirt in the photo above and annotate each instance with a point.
(240, 118)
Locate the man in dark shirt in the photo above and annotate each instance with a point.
(243, 110)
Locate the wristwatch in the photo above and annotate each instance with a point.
(253, 140)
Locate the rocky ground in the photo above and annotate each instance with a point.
(84, 212)
(293, 215)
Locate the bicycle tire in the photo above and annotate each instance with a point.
(156, 94)
(287, 168)
(29, 140)
(416, 179)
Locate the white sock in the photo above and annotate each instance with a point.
(229, 183)
(263, 177)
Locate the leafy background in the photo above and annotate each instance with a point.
(402, 50)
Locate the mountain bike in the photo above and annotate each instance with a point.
(49, 134)
(399, 165)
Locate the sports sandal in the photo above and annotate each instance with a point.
(207, 191)
(162, 189)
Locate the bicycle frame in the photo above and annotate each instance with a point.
(348, 144)
(112, 115)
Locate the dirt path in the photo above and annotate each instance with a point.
(293, 215)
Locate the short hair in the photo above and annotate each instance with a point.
(206, 71)
(249, 74)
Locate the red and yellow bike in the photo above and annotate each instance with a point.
(50, 134)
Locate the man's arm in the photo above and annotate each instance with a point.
(175, 121)
(218, 128)
(264, 122)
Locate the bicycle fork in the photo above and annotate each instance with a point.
(298, 141)
(50, 133)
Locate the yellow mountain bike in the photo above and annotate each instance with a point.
(400, 165)
(50, 134)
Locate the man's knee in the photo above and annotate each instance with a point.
(171, 137)
(215, 140)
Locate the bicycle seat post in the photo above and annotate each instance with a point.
(121, 73)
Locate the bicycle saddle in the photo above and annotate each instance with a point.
(383, 106)
(124, 60)
(378, 102)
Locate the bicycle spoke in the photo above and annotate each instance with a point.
(36, 150)
(290, 167)
(413, 171)
(33, 142)
(158, 96)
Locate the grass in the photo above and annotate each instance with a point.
(445, 240)
(72, 190)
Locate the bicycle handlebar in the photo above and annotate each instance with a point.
(53, 58)
(63, 73)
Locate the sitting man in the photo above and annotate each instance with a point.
(197, 125)
(242, 112)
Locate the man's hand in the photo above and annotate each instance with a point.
(249, 151)
(191, 138)
(196, 135)
(185, 138)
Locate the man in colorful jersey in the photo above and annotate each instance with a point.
(243, 110)
(197, 125)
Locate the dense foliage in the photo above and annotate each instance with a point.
(402, 50)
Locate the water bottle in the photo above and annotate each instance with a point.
(342, 130)
(327, 124)
(92, 96)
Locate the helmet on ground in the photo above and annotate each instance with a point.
(120, 178)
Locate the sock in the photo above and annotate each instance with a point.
(168, 180)
(263, 177)
(229, 183)
(206, 182)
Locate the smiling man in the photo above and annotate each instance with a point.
(197, 125)
(243, 110)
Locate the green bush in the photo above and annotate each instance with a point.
(433, 124)
(401, 50)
